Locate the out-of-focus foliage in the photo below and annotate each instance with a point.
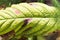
(56, 3)
(9, 2)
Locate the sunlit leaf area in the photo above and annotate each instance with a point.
(29, 19)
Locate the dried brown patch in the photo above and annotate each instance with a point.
(7, 36)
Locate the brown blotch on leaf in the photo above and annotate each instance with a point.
(8, 35)
(53, 36)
